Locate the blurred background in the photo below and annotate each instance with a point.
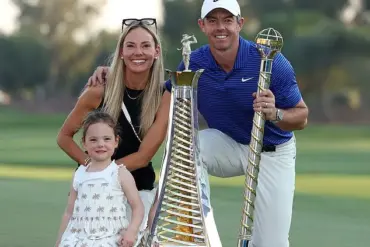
(49, 48)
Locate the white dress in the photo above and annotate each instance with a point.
(100, 210)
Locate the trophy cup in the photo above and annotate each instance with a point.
(269, 43)
(184, 215)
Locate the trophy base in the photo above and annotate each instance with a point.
(178, 245)
(243, 243)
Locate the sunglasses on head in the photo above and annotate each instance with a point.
(144, 21)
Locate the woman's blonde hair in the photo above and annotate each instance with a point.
(115, 88)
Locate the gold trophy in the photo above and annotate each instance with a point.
(269, 43)
(184, 215)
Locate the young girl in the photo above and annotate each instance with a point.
(96, 212)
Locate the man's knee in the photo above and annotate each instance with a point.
(209, 142)
(219, 153)
(265, 241)
(206, 144)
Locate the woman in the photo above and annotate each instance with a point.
(134, 96)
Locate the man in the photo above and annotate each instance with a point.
(227, 100)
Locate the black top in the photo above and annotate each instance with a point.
(144, 177)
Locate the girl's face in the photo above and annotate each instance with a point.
(100, 142)
(139, 50)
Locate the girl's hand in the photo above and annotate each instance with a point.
(128, 238)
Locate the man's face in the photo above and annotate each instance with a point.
(221, 28)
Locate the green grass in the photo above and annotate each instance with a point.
(31, 213)
(330, 153)
(332, 191)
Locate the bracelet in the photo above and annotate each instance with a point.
(86, 161)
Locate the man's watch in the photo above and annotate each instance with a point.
(279, 116)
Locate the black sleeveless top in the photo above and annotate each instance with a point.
(144, 177)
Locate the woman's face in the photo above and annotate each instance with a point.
(139, 50)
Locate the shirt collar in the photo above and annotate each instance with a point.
(241, 56)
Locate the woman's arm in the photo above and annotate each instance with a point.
(67, 214)
(88, 101)
(129, 188)
(152, 140)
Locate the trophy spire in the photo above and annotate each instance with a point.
(184, 216)
(269, 43)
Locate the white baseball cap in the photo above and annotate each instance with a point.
(230, 5)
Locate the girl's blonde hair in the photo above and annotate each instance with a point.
(115, 88)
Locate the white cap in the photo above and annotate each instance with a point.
(230, 5)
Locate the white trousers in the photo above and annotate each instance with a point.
(147, 197)
(224, 157)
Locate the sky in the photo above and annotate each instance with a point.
(112, 14)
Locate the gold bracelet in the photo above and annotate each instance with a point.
(86, 161)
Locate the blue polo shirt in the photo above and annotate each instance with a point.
(225, 99)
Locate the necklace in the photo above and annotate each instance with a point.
(133, 98)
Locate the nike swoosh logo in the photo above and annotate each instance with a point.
(247, 79)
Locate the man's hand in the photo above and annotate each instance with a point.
(99, 76)
(265, 103)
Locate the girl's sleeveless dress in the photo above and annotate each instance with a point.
(99, 212)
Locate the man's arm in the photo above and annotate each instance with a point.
(294, 118)
(284, 95)
(99, 76)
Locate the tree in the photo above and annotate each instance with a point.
(57, 25)
(23, 63)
